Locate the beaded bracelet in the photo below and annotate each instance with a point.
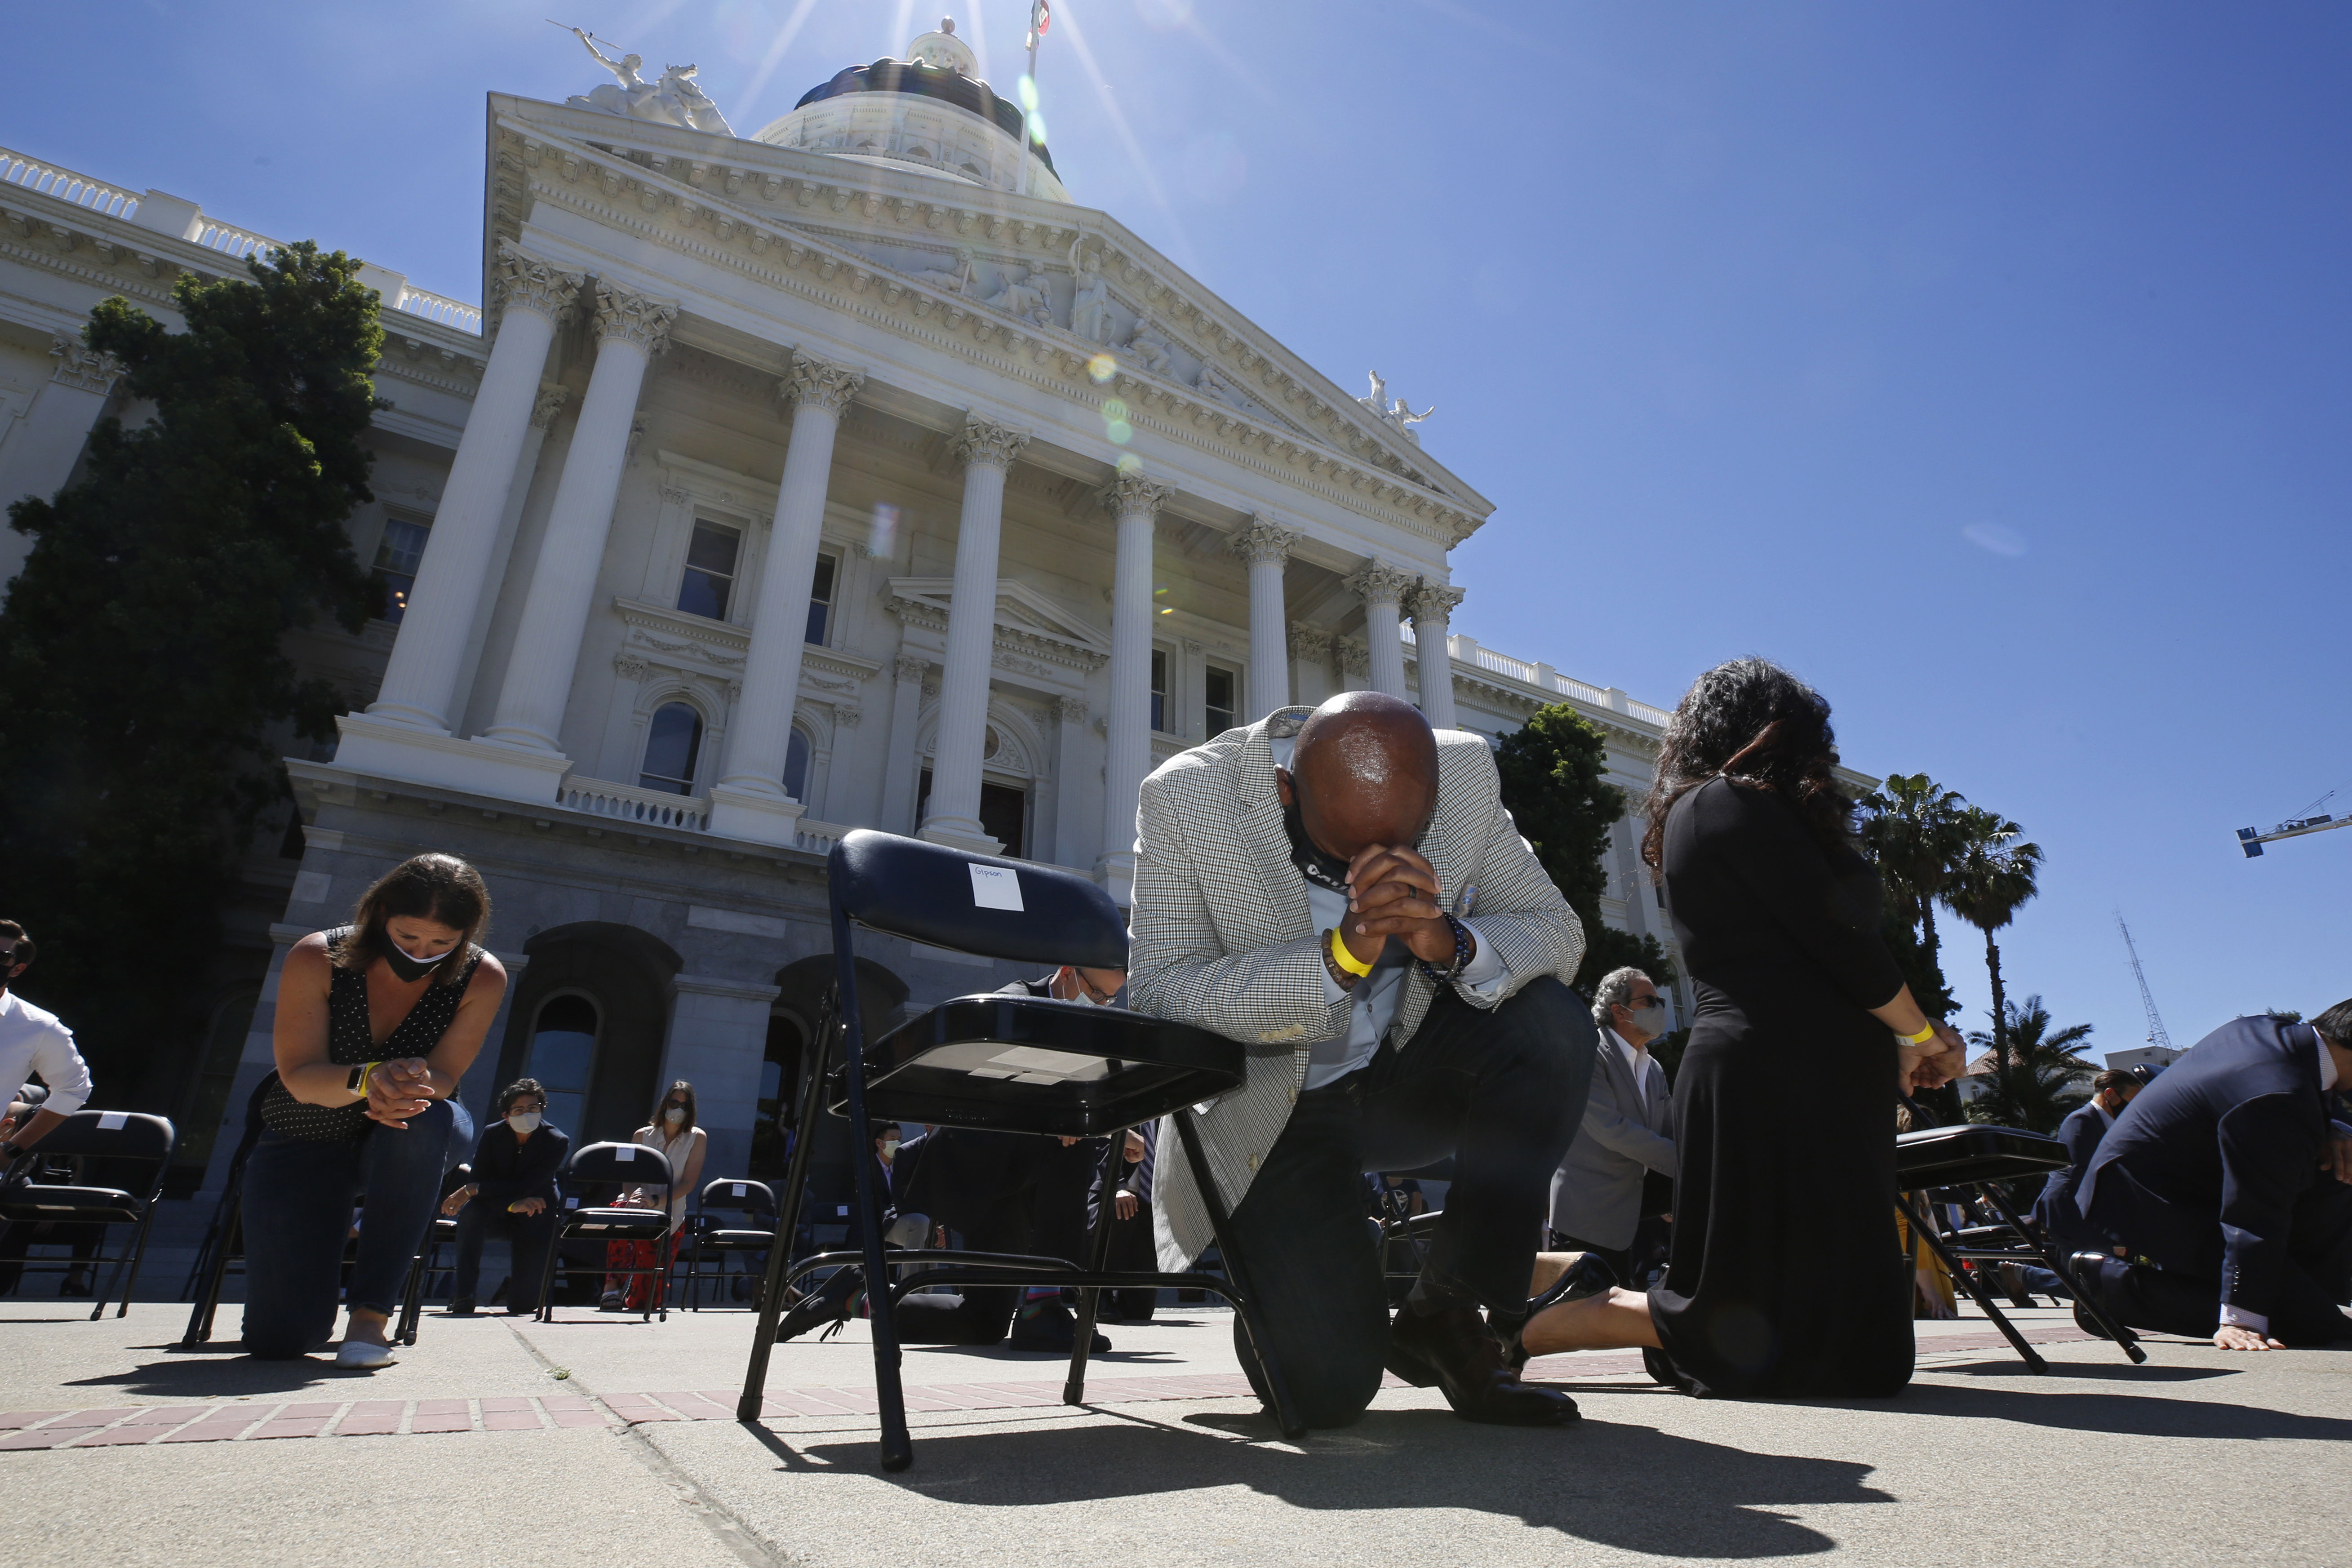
(1461, 954)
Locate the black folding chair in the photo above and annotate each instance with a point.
(1980, 1156)
(708, 1237)
(1014, 1064)
(126, 1135)
(441, 1232)
(601, 1164)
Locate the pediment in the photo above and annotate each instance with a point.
(1057, 283)
(1023, 614)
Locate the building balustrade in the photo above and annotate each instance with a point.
(628, 802)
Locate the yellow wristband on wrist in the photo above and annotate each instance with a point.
(1922, 1037)
(1342, 957)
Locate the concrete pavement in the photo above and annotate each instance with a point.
(558, 1443)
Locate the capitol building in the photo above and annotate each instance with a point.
(848, 473)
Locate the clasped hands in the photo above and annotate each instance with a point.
(1934, 1063)
(1392, 892)
(398, 1089)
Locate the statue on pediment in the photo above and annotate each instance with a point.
(674, 100)
(1209, 384)
(1023, 295)
(947, 280)
(1145, 344)
(1090, 299)
(1398, 416)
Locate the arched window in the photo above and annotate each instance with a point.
(796, 765)
(563, 1055)
(673, 742)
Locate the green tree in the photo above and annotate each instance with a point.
(141, 648)
(1992, 880)
(2036, 1084)
(1553, 783)
(1910, 829)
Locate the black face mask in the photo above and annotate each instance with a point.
(1324, 870)
(404, 968)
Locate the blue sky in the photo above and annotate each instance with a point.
(1984, 364)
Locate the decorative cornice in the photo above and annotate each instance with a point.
(82, 367)
(1132, 495)
(1070, 710)
(813, 384)
(985, 441)
(1378, 583)
(525, 281)
(912, 666)
(624, 316)
(1309, 642)
(1354, 655)
(1434, 601)
(548, 403)
(1265, 541)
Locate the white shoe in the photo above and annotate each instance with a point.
(364, 1355)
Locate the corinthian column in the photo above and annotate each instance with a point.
(1135, 501)
(749, 801)
(631, 328)
(1432, 608)
(420, 684)
(1267, 548)
(1382, 587)
(987, 450)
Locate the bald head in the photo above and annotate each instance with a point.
(1363, 772)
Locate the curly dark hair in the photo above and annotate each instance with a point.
(1751, 721)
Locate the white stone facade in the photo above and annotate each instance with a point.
(915, 500)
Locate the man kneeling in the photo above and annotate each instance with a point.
(1305, 885)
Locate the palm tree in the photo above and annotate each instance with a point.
(1912, 829)
(1992, 879)
(2037, 1086)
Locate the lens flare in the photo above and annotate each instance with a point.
(1120, 431)
(1027, 92)
(882, 534)
(1037, 127)
(1129, 463)
(1102, 367)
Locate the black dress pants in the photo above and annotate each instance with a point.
(1011, 1193)
(1503, 1092)
(528, 1235)
(2318, 1277)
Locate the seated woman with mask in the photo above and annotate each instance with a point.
(377, 1023)
(514, 1178)
(672, 1131)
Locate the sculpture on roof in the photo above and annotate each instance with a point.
(1023, 295)
(1145, 343)
(1398, 416)
(1090, 298)
(674, 100)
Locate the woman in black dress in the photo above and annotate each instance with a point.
(1785, 1276)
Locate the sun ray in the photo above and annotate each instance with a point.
(775, 55)
(900, 29)
(1258, 87)
(978, 40)
(1068, 23)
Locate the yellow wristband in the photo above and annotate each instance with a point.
(1922, 1037)
(1343, 957)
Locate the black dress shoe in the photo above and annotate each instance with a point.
(2085, 1268)
(1589, 1275)
(1464, 1359)
(463, 1307)
(827, 1304)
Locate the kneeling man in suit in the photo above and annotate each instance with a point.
(2228, 1178)
(1307, 886)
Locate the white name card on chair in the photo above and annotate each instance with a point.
(738, 1189)
(112, 1121)
(625, 1151)
(996, 888)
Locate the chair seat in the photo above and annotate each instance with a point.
(1977, 1151)
(94, 1205)
(746, 1238)
(617, 1224)
(1027, 1064)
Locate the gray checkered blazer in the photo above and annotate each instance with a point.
(1222, 938)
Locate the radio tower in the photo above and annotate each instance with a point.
(2155, 1034)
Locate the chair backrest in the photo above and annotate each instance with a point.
(115, 1135)
(983, 904)
(738, 1193)
(631, 1164)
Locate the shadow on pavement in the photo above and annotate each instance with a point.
(1614, 1485)
(2104, 1371)
(2131, 1415)
(217, 1372)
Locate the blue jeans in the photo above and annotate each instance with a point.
(297, 1212)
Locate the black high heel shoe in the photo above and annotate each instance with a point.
(828, 1304)
(1588, 1276)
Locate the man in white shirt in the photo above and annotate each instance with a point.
(1628, 1129)
(33, 1041)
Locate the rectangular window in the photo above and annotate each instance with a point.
(397, 554)
(710, 576)
(1159, 691)
(1218, 704)
(821, 600)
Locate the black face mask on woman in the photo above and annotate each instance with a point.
(404, 968)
